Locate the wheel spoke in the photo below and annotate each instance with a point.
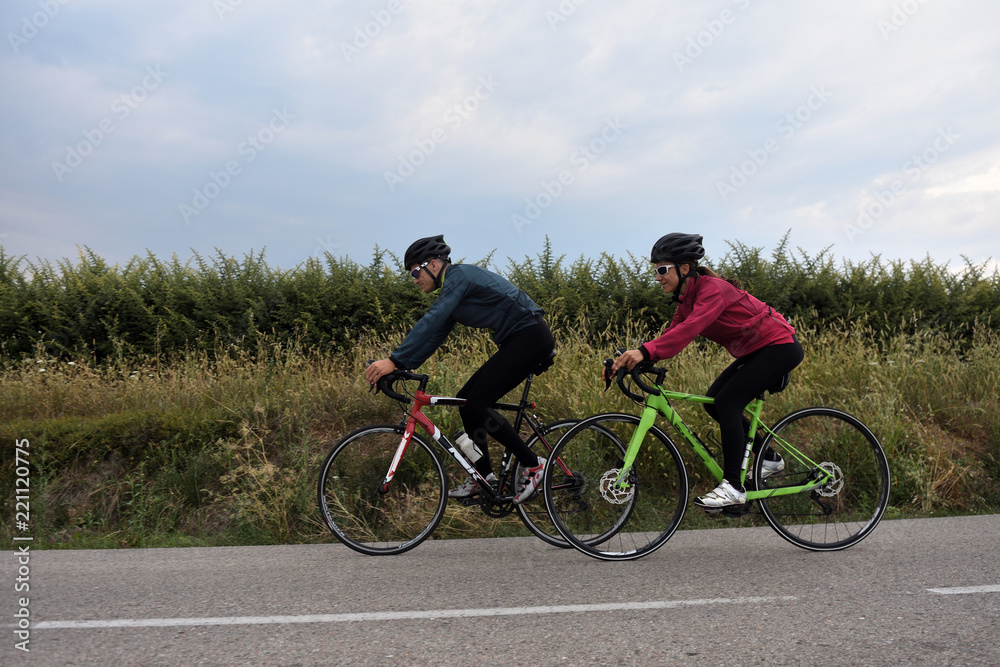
(611, 514)
(533, 513)
(363, 516)
(825, 444)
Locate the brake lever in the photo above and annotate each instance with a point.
(623, 371)
(619, 375)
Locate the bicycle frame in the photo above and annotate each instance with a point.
(422, 399)
(659, 404)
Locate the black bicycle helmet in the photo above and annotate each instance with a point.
(677, 247)
(424, 249)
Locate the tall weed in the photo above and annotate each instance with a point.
(224, 447)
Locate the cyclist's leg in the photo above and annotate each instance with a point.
(484, 465)
(736, 386)
(516, 358)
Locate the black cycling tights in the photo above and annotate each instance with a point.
(740, 383)
(517, 357)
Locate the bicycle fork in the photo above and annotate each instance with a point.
(635, 442)
(435, 433)
(404, 443)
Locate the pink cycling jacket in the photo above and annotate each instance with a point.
(723, 314)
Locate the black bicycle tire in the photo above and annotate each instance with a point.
(524, 510)
(770, 507)
(374, 472)
(591, 546)
(553, 538)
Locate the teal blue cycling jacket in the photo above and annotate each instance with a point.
(471, 296)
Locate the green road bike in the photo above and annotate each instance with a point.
(632, 484)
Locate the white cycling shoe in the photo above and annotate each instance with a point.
(724, 495)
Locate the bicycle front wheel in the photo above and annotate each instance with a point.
(813, 442)
(603, 511)
(363, 516)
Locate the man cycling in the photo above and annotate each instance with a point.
(482, 299)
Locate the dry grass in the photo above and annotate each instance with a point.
(272, 415)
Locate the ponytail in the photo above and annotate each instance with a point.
(732, 280)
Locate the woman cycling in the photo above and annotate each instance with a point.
(477, 298)
(762, 341)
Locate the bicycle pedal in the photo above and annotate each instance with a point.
(732, 511)
(471, 501)
(736, 511)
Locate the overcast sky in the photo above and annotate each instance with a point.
(866, 126)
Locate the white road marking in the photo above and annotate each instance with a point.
(397, 615)
(965, 590)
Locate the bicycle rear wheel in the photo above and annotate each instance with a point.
(611, 523)
(842, 512)
(533, 513)
(363, 517)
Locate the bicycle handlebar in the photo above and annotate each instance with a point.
(637, 372)
(386, 383)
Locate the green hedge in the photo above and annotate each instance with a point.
(149, 306)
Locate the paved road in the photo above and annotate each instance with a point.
(915, 592)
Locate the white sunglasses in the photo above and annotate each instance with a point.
(663, 270)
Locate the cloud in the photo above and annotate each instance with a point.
(980, 177)
(378, 86)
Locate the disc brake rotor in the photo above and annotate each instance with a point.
(613, 493)
(836, 483)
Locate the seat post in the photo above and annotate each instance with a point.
(524, 403)
(527, 388)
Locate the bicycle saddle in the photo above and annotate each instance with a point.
(545, 364)
(779, 385)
